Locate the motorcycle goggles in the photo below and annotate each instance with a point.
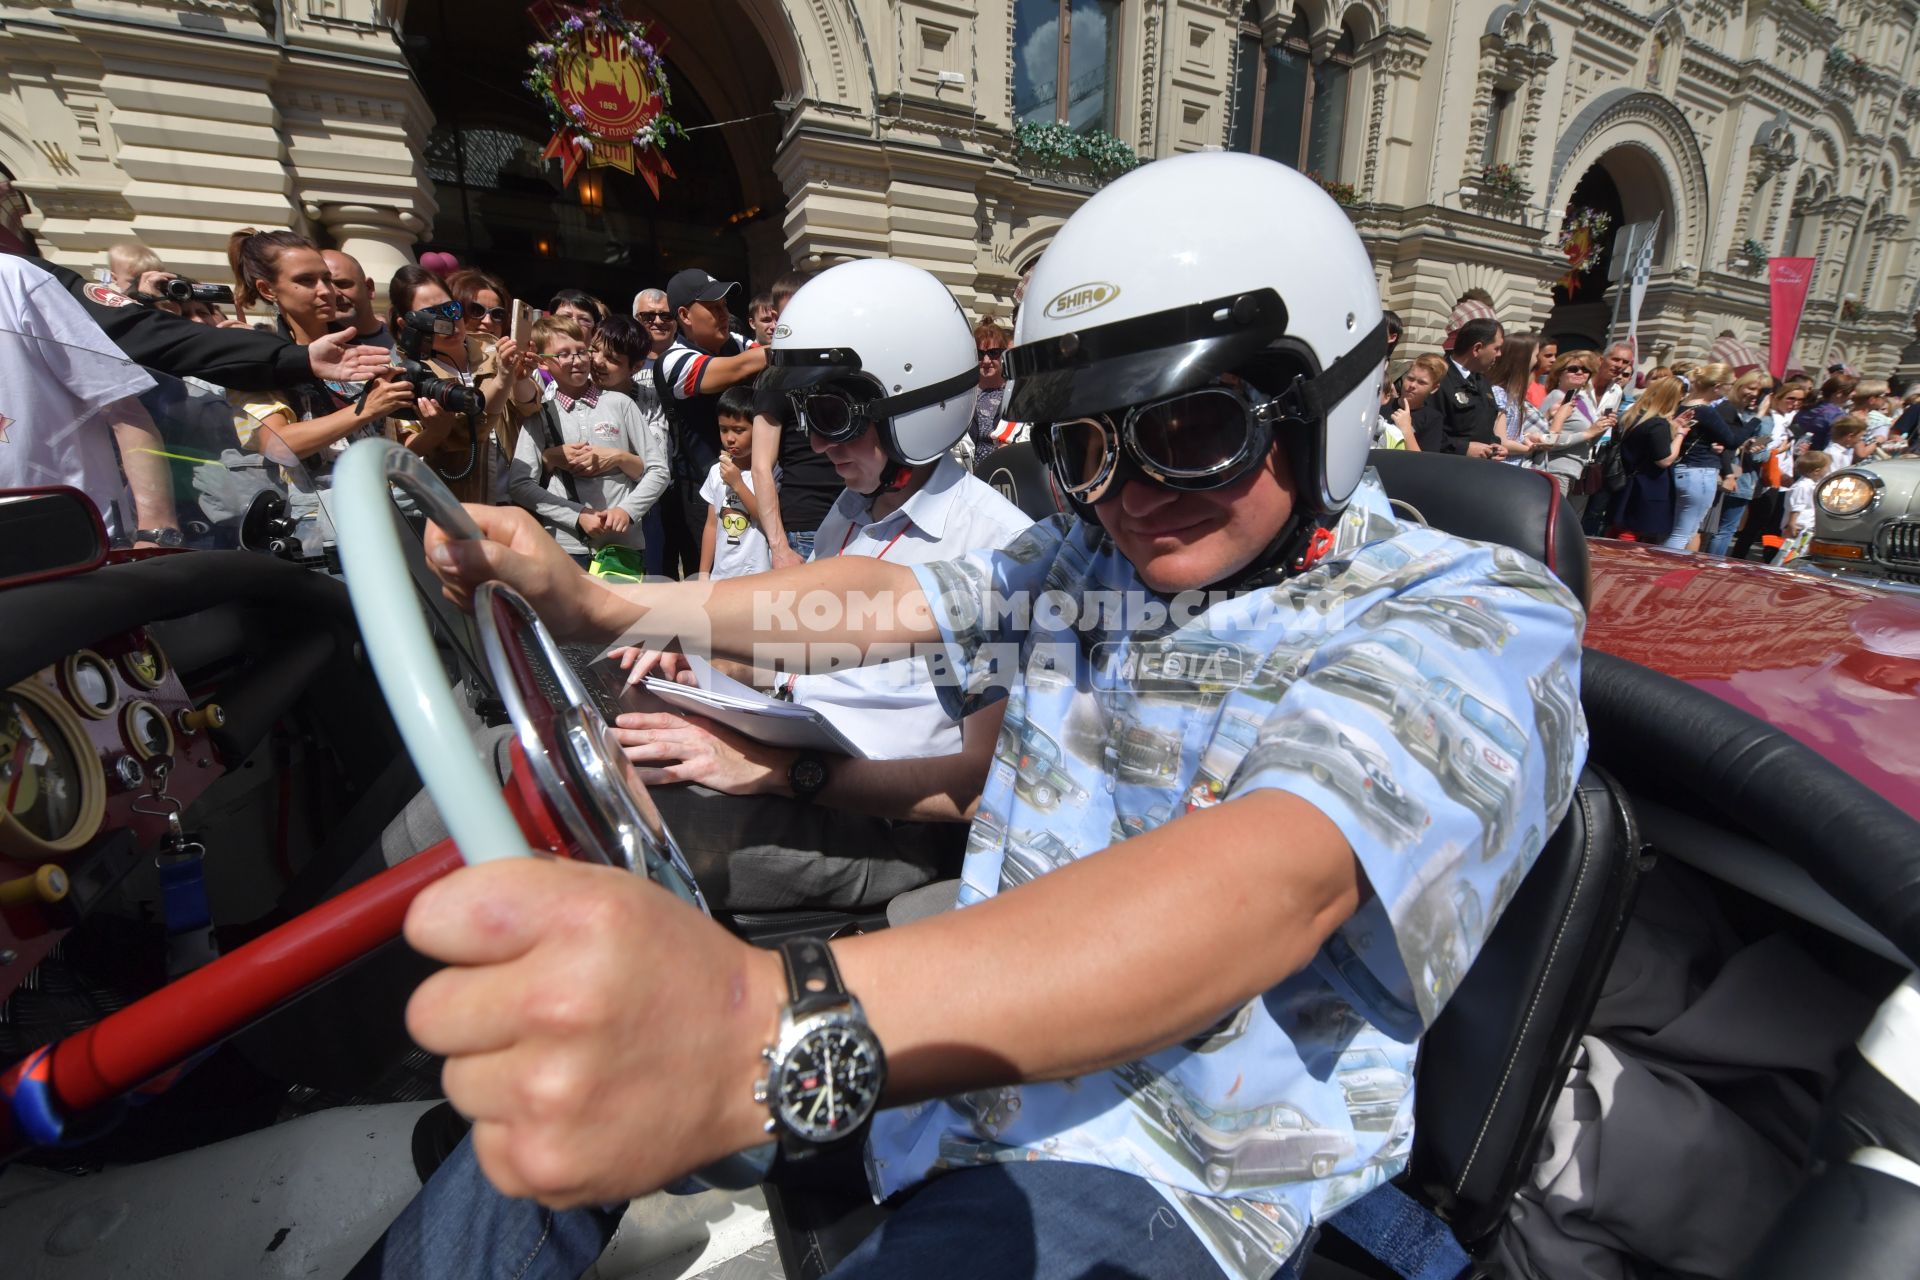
(1181, 427)
(1192, 442)
(837, 400)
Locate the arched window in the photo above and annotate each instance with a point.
(1285, 107)
(1077, 40)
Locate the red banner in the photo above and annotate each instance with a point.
(1788, 280)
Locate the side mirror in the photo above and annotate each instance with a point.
(46, 533)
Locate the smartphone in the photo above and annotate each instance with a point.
(520, 328)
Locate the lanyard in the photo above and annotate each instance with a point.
(883, 551)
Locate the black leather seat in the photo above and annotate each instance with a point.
(1470, 498)
(1016, 472)
(1493, 1062)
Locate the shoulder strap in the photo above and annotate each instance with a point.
(545, 436)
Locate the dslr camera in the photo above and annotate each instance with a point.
(413, 340)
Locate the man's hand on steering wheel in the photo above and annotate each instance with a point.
(666, 747)
(518, 552)
(603, 1037)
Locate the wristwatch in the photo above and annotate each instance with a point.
(825, 1068)
(807, 774)
(159, 537)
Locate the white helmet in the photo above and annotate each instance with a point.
(892, 330)
(1200, 265)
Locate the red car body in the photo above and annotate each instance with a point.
(1834, 665)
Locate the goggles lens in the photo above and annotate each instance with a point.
(1192, 435)
(1196, 441)
(829, 414)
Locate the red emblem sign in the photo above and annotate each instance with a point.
(607, 89)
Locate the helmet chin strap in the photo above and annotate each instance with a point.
(1293, 550)
(893, 480)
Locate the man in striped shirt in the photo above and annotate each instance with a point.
(703, 361)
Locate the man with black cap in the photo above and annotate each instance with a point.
(703, 361)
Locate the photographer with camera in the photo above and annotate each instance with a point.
(469, 392)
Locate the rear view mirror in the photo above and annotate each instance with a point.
(45, 533)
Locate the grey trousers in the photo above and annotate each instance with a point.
(755, 853)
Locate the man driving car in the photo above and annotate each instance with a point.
(1200, 869)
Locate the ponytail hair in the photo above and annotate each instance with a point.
(252, 255)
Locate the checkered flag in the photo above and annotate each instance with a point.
(1639, 269)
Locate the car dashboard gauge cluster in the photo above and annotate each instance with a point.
(105, 741)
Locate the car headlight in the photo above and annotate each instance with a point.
(1848, 494)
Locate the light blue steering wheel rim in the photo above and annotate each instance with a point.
(405, 661)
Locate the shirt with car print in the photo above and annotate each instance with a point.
(1422, 711)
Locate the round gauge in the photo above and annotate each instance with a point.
(147, 730)
(52, 790)
(144, 664)
(88, 682)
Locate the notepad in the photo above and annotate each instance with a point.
(748, 711)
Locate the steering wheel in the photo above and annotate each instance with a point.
(578, 770)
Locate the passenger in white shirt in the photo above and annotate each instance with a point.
(769, 843)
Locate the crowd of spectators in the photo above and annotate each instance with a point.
(635, 435)
(1692, 455)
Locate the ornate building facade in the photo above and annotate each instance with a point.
(1461, 135)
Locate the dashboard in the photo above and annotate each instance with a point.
(95, 751)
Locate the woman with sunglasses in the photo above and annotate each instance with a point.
(988, 431)
(483, 300)
(1566, 446)
(474, 465)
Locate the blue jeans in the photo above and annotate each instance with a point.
(1694, 487)
(802, 544)
(1048, 1220)
(653, 548)
(459, 1226)
(1732, 508)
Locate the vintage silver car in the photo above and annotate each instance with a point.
(1866, 525)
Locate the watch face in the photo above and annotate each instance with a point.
(809, 775)
(830, 1082)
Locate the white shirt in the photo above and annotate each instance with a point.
(1841, 454)
(58, 371)
(1606, 402)
(1780, 441)
(610, 421)
(739, 545)
(1800, 503)
(891, 711)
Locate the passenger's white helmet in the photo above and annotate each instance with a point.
(1199, 265)
(894, 327)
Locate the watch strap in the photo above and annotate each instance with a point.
(813, 979)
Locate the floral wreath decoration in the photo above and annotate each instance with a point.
(1580, 244)
(604, 85)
